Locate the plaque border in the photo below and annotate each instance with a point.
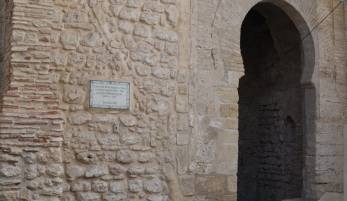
(109, 107)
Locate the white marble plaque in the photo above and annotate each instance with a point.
(111, 95)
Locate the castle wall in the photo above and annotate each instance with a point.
(179, 138)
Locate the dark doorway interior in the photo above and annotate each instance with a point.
(270, 108)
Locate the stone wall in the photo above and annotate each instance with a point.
(179, 140)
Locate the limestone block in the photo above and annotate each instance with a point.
(172, 14)
(117, 2)
(169, 1)
(181, 104)
(141, 30)
(56, 16)
(228, 95)
(168, 89)
(9, 170)
(129, 138)
(153, 6)
(9, 195)
(144, 47)
(134, 3)
(182, 122)
(69, 38)
(155, 198)
(161, 105)
(58, 59)
(31, 172)
(52, 191)
(151, 60)
(232, 184)
(227, 198)
(79, 118)
(76, 59)
(28, 157)
(107, 157)
(125, 156)
(224, 110)
(145, 157)
(210, 184)
(135, 186)
(171, 49)
(182, 138)
(143, 70)
(161, 73)
(182, 160)
(107, 139)
(81, 186)
(112, 197)
(74, 95)
(152, 186)
(97, 171)
(329, 196)
(119, 186)
(87, 157)
(130, 14)
(99, 186)
(55, 170)
(165, 35)
(187, 184)
(75, 17)
(134, 171)
(88, 197)
(128, 120)
(74, 171)
(183, 89)
(127, 28)
(152, 85)
(92, 39)
(116, 169)
(42, 23)
(182, 76)
(150, 18)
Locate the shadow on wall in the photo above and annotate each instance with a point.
(272, 114)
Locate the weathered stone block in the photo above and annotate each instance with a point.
(153, 186)
(99, 186)
(181, 104)
(182, 160)
(143, 70)
(88, 197)
(69, 38)
(81, 186)
(74, 95)
(74, 171)
(135, 186)
(128, 120)
(125, 156)
(97, 171)
(165, 35)
(149, 18)
(161, 73)
(130, 14)
(227, 198)
(187, 184)
(9, 170)
(210, 184)
(80, 118)
(141, 30)
(119, 186)
(145, 157)
(75, 17)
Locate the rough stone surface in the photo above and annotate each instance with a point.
(208, 120)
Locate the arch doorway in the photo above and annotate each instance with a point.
(271, 113)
